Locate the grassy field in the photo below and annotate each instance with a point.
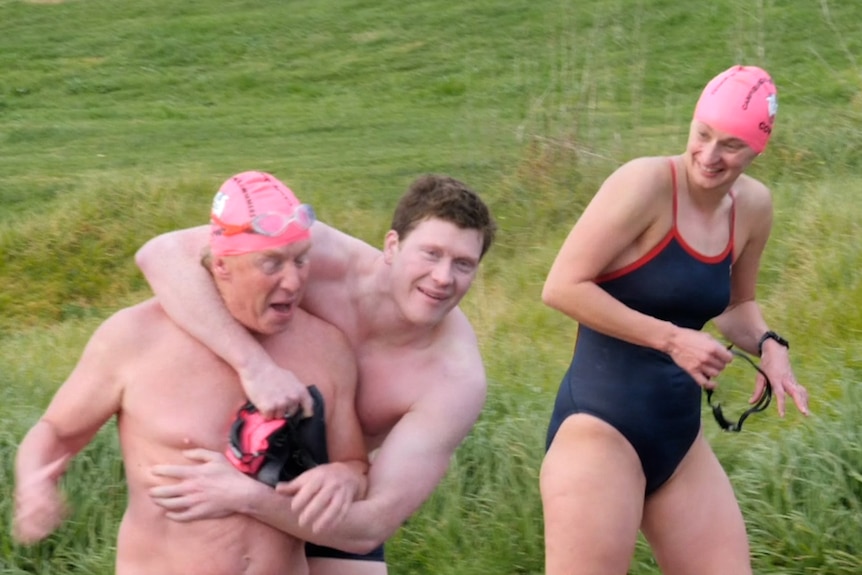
(118, 120)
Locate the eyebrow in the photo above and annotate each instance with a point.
(704, 127)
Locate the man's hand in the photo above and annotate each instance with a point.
(322, 495)
(275, 391)
(209, 489)
(39, 506)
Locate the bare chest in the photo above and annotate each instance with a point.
(180, 395)
(391, 382)
(180, 399)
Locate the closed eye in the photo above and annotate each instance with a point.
(271, 266)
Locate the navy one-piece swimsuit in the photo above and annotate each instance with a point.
(640, 391)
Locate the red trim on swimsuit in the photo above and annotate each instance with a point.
(673, 233)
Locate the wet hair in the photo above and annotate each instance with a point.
(447, 199)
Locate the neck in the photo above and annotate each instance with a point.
(702, 198)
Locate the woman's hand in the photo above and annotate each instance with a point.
(775, 362)
(702, 356)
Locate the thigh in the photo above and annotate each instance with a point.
(592, 487)
(693, 522)
(330, 566)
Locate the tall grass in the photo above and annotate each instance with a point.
(120, 119)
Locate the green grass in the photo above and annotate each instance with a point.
(118, 120)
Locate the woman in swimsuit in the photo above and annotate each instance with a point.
(666, 245)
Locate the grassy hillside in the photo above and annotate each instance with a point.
(118, 120)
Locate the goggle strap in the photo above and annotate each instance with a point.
(761, 403)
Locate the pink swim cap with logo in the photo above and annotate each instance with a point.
(741, 101)
(244, 197)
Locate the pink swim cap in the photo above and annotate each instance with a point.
(741, 101)
(254, 211)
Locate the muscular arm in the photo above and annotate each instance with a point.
(184, 288)
(410, 464)
(415, 455)
(89, 397)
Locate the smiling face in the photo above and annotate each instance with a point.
(715, 159)
(262, 290)
(432, 268)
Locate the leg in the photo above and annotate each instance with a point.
(592, 488)
(693, 522)
(329, 566)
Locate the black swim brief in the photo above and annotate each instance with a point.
(312, 550)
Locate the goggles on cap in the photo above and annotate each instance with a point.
(270, 224)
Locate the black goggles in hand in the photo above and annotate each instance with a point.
(761, 403)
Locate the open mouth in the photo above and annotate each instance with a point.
(282, 307)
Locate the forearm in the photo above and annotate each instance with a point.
(184, 288)
(400, 481)
(40, 462)
(366, 523)
(743, 325)
(589, 304)
(41, 449)
(354, 534)
(365, 528)
(268, 506)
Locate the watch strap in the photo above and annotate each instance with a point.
(774, 337)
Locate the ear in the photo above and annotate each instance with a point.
(390, 246)
(220, 269)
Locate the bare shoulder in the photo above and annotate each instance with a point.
(753, 209)
(335, 254)
(615, 227)
(452, 383)
(132, 326)
(457, 368)
(321, 331)
(634, 191)
(752, 196)
(119, 347)
(315, 341)
(642, 176)
(647, 165)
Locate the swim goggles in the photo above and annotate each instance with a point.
(274, 450)
(270, 224)
(761, 403)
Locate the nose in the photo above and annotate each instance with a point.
(291, 278)
(710, 151)
(442, 273)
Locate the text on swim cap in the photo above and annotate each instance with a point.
(751, 92)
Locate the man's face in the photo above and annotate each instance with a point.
(432, 268)
(262, 290)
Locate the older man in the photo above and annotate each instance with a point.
(174, 398)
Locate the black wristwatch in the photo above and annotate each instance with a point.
(773, 336)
